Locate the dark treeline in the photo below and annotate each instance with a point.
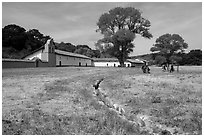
(193, 57)
(17, 42)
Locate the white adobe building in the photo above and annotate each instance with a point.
(113, 62)
(55, 57)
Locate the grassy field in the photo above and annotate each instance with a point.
(60, 101)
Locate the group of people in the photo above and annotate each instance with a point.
(165, 68)
(145, 68)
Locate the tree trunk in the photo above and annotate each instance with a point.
(177, 68)
(122, 64)
(168, 67)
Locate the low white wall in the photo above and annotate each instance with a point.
(110, 64)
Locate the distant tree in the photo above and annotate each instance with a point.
(82, 46)
(168, 45)
(14, 36)
(119, 27)
(96, 53)
(160, 60)
(71, 47)
(85, 51)
(35, 39)
(195, 57)
(66, 47)
(16, 41)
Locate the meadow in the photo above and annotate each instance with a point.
(59, 101)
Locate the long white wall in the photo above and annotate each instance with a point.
(110, 64)
(72, 61)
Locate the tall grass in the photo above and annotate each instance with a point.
(66, 105)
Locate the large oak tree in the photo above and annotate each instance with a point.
(119, 27)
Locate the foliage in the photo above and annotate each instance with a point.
(65, 47)
(16, 41)
(194, 57)
(175, 59)
(119, 27)
(97, 53)
(160, 59)
(35, 39)
(84, 51)
(168, 45)
(14, 36)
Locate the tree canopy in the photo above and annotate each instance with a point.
(65, 47)
(87, 51)
(14, 36)
(168, 45)
(16, 41)
(119, 27)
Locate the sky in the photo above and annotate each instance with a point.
(76, 22)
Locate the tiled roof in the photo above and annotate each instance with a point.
(60, 52)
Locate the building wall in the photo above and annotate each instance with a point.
(37, 54)
(18, 64)
(23, 64)
(106, 64)
(72, 61)
(110, 64)
(128, 64)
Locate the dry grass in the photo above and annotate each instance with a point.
(60, 101)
